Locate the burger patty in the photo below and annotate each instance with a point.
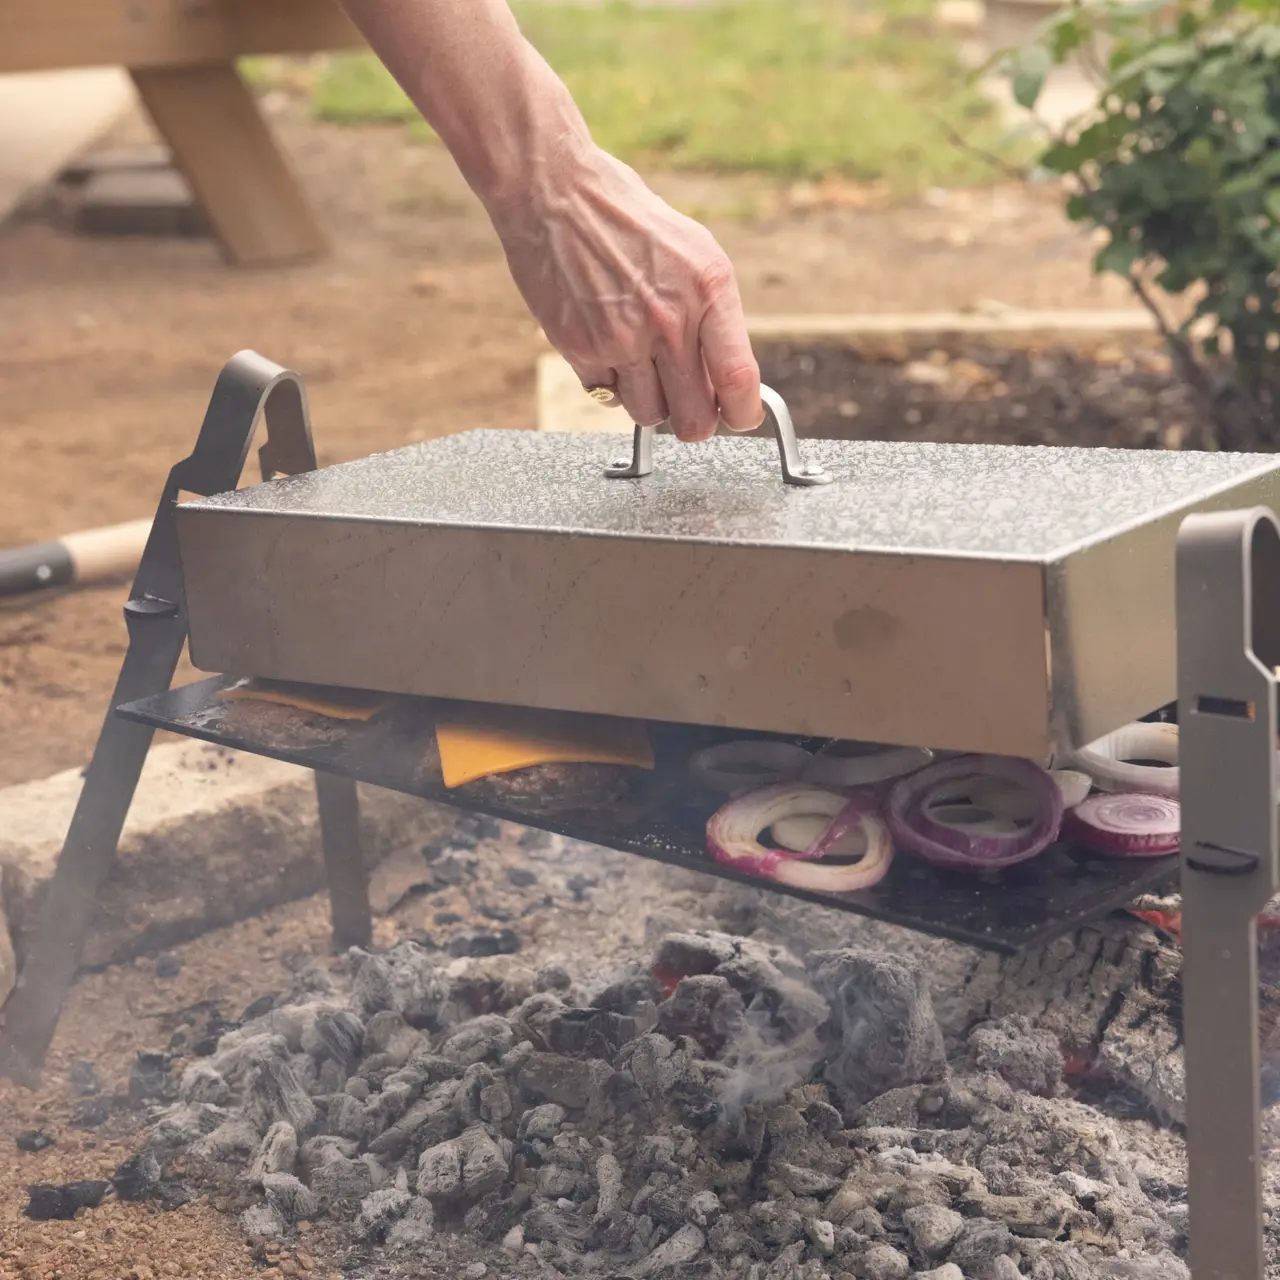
(545, 788)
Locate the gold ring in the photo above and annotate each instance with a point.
(601, 395)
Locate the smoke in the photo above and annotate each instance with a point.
(777, 1048)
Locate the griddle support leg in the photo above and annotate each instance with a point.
(339, 803)
(1228, 610)
(157, 622)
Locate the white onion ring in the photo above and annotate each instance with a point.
(835, 766)
(968, 846)
(1127, 825)
(748, 763)
(1075, 786)
(733, 834)
(1106, 761)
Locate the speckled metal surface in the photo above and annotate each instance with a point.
(971, 500)
(664, 818)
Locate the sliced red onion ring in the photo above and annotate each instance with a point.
(733, 837)
(1075, 786)
(933, 814)
(748, 764)
(858, 833)
(1108, 760)
(1131, 825)
(860, 764)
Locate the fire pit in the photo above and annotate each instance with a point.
(856, 590)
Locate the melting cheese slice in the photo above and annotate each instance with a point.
(337, 704)
(503, 739)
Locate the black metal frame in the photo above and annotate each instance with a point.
(155, 614)
(1228, 625)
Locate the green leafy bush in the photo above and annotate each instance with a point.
(1180, 166)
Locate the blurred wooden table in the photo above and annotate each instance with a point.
(181, 55)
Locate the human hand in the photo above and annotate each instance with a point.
(635, 296)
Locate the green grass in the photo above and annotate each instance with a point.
(794, 89)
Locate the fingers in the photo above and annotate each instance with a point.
(641, 391)
(730, 363)
(690, 399)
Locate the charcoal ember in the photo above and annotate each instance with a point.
(787, 1006)
(484, 942)
(1027, 1057)
(629, 994)
(415, 1227)
(685, 955)
(673, 1254)
(705, 1008)
(187, 1124)
(150, 1080)
(168, 965)
(202, 1082)
(483, 1039)
(357, 1087)
(522, 877)
(608, 1185)
(342, 1182)
(554, 1223)
(379, 1212)
(138, 1177)
(485, 1162)
(348, 1117)
(258, 1008)
(388, 1035)
(407, 980)
(84, 1079)
(431, 1120)
(822, 1236)
(290, 1197)
(932, 1230)
(321, 1150)
(90, 1113)
(493, 1216)
(30, 1141)
(495, 1104)
(981, 1242)
(276, 1153)
(1165, 1267)
(883, 1032)
(233, 1138)
(656, 1152)
(728, 1239)
(532, 1019)
(880, 1261)
(669, 1206)
(589, 1033)
(490, 984)
(804, 1180)
(272, 1092)
(263, 1222)
(60, 1202)
(775, 1222)
(703, 1208)
(338, 1036)
(948, 1271)
(1044, 1213)
(1003, 1267)
(555, 1182)
(440, 1171)
(573, 1083)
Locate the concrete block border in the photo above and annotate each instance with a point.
(213, 836)
(562, 406)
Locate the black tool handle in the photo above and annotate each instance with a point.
(47, 564)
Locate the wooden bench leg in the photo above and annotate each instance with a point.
(225, 150)
(343, 861)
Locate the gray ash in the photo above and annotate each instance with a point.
(722, 1111)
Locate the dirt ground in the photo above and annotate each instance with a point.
(411, 329)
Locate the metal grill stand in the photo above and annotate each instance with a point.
(1228, 632)
(156, 618)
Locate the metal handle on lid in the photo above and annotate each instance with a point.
(775, 411)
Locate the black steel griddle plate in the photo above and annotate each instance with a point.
(665, 820)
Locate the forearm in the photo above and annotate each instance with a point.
(504, 115)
